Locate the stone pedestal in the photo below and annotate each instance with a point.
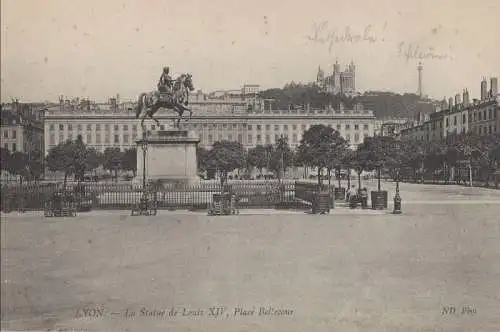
(170, 157)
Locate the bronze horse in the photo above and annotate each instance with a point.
(150, 102)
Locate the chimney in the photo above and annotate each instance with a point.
(484, 89)
(494, 86)
(457, 99)
(466, 97)
(450, 103)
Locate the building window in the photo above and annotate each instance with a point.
(294, 127)
(294, 138)
(117, 139)
(106, 127)
(268, 127)
(347, 127)
(134, 136)
(454, 120)
(98, 138)
(259, 127)
(70, 136)
(447, 122)
(490, 111)
(52, 139)
(259, 138)
(240, 138)
(268, 140)
(153, 127)
(51, 127)
(356, 138)
(276, 127)
(116, 128)
(479, 116)
(348, 137)
(6, 146)
(125, 127)
(356, 127)
(134, 127)
(285, 127)
(210, 139)
(61, 138)
(365, 127)
(303, 127)
(224, 126)
(249, 127)
(249, 138)
(89, 139)
(125, 138)
(14, 133)
(14, 147)
(229, 137)
(89, 127)
(6, 134)
(464, 118)
(98, 127)
(61, 127)
(70, 127)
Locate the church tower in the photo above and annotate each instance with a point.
(320, 77)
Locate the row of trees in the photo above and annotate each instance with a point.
(25, 165)
(321, 147)
(324, 149)
(72, 157)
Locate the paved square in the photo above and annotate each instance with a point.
(347, 271)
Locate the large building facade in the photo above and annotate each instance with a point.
(460, 115)
(343, 82)
(212, 121)
(22, 127)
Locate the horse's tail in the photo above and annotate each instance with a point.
(140, 105)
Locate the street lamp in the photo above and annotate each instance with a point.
(144, 146)
(397, 197)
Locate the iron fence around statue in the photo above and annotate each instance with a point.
(267, 194)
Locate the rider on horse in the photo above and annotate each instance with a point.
(165, 82)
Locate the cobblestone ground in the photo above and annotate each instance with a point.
(434, 268)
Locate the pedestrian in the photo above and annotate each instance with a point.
(364, 198)
(352, 197)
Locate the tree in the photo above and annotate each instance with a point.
(258, 157)
(205, 164)
(62, 158)
(227, 156)
(18, 165)
(318, 145)
(112, 160)
(93, 159)
(129, 160)
(80, 152)
(376, 153)
(281, 157)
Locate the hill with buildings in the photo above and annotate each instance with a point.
(383, 104)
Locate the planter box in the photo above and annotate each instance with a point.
(379, 200)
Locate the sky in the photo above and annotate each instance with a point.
(98, 49)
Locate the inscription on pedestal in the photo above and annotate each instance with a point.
(173, 133)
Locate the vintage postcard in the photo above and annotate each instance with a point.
(233, 165)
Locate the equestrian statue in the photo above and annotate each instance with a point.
(171, 94)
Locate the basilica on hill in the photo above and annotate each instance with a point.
(343, 82)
